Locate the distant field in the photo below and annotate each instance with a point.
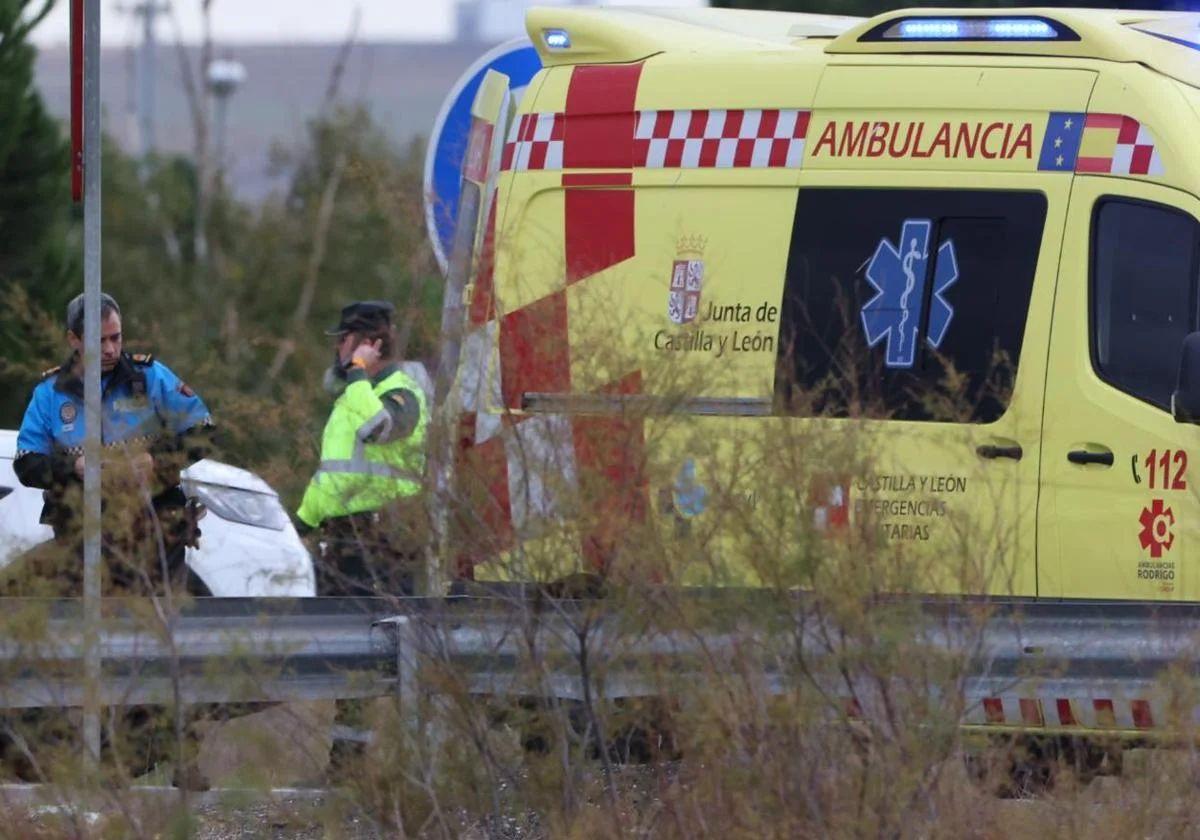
(403, 84)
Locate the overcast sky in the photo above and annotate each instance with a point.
(267, 21)
(241, 21)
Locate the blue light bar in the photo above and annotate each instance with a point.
(1024, 29)
(930, 29)
(971, 29)
(556, 39)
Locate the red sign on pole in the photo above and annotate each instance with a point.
(77, 100)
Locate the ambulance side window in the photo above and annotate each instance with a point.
(907, 304)
(1145, 267)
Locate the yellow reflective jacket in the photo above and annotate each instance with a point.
(366, 459)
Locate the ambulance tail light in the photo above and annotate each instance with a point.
(556, 39)
(971, 29)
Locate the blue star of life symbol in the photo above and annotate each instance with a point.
(898, 274)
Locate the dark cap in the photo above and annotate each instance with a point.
(364, 316)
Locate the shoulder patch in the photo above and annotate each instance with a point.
(143, 359)
(46, 374)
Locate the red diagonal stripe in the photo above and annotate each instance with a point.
(528, 126)
(779, 152)
(733, 123)
(993, 710)
(641, 152)
(537, 154)
(1031, 712)
(745, 153)
(1066, 715)
(769, 122)
(674, 156)
(802, 121)
(1139, 163)
(662, 124)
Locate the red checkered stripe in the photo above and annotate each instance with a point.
(752, 138)
(1024, 712)
(1065, 712)
(721, 139)
(535, 142)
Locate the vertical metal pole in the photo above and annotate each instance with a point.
(222, 115)
(147, 77)
(91, 375)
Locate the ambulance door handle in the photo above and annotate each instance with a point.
(1007, 449)
(1084, 456)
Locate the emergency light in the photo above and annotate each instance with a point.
(556, 39)
(971, 29)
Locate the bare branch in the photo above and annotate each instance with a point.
(338, 72)
(320, 243)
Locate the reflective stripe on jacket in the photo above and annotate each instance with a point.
(366, 461)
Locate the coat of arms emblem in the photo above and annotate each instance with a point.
(687, 277)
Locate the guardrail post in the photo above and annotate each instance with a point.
(408, 695)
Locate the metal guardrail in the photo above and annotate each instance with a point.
(221, 650)
(1063, 665)
(1020, 661)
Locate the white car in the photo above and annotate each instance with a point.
(248, 547)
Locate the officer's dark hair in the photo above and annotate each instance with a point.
(108, 306)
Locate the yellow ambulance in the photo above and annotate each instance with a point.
(721, 244)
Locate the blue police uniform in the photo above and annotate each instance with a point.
(143, 403)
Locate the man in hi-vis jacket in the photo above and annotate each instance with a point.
(372, 461)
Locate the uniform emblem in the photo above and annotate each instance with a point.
(67, 412)
(687, 278)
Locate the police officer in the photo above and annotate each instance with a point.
(152, 426)
(372, 461)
